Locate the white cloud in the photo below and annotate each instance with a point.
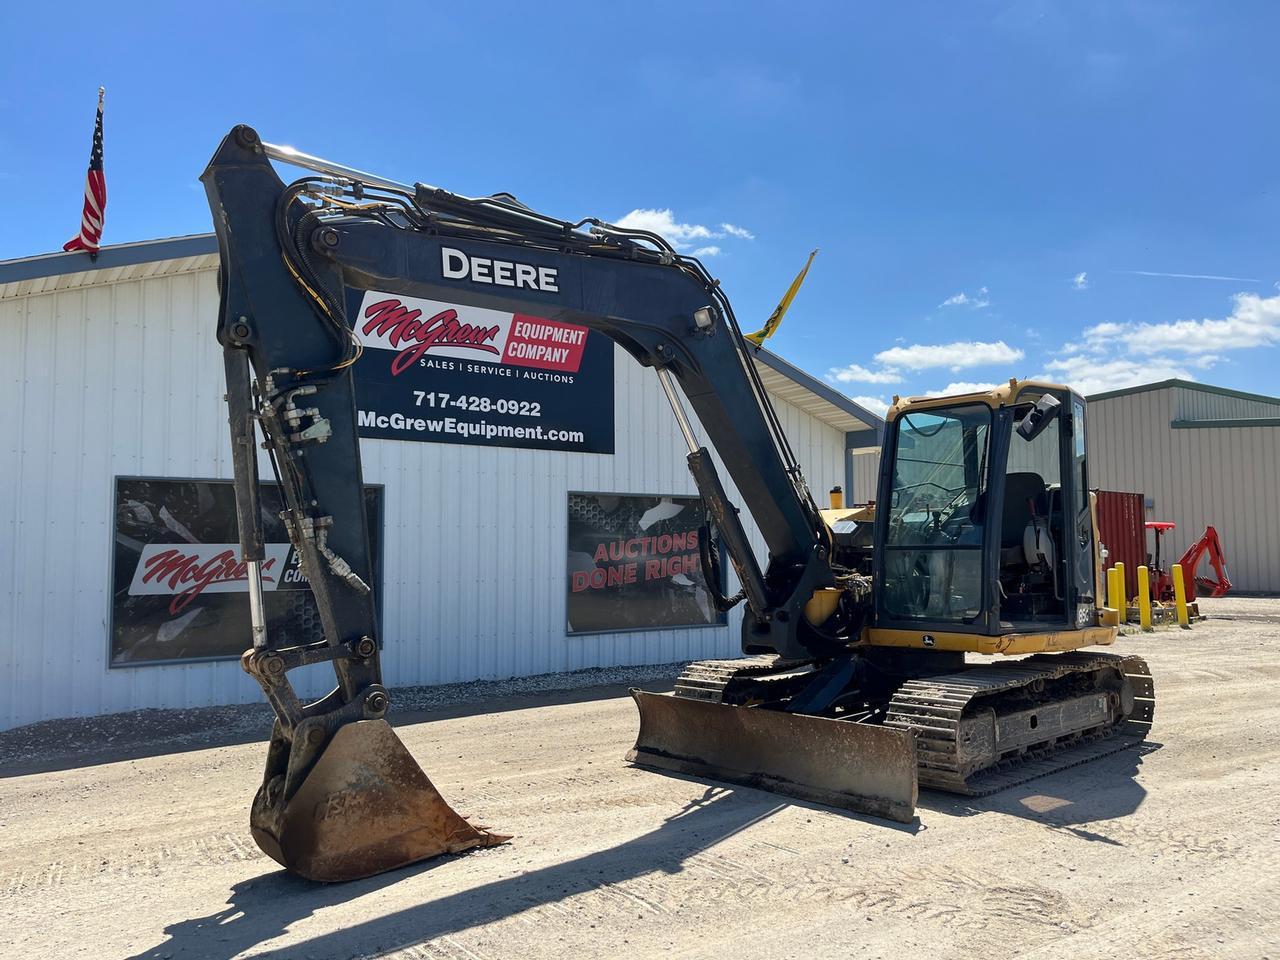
(1111, 356)
(856, 373)
(1100, 331)
(877, 405)
(664, 223)
(962, 299)
(955, 356)
(1080, 281)
(961, 386)
(1090, 375)
(682, 236)
(1253, 322)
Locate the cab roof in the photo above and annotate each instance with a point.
(1004, 395)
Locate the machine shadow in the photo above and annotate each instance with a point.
(267, 906)
(93, 741)
(1099, 790)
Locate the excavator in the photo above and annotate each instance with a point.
(856, 686)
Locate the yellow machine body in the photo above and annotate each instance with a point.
(1011, 644)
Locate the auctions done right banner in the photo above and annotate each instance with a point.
(634, 564)
(449, 373)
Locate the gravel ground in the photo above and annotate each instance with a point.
(139, 732)
(1170, 850)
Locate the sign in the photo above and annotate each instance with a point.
(179, 590)
(446, 373)
(633, 564)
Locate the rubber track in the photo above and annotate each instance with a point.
(706, 679)
(933, 709)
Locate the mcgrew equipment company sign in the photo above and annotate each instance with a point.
(178, 586)
(447, 373)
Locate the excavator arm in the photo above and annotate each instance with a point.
(291, 257)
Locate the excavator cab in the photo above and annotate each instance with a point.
(986, 528)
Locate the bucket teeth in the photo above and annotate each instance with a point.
(364, 807)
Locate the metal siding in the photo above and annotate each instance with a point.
(866, 477)
(1191, 404)
(123, 376)
(1120, 528)
(1223, 477)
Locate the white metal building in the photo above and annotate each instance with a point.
(111, 369)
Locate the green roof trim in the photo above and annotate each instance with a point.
(1239, 422)
(1185, 385)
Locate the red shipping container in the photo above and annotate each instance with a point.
(1122, 530)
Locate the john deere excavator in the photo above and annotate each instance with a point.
(855, 688)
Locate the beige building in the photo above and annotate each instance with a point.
(1201, 456)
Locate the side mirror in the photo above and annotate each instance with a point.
(1033, 424)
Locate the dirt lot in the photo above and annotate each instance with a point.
(122, 839)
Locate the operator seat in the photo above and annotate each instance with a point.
(1018, 489)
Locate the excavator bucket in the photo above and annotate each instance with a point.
(365, 807)
(867, 769)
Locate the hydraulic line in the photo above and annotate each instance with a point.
(353, 194)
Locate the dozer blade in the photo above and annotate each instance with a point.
(868, 769)
(364, 808)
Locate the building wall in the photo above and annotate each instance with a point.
(866, 477)
(1202, 405)
(125, 378)
(1219, 476)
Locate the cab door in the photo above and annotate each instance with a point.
(1082, 555)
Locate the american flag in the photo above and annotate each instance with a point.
(95, 195)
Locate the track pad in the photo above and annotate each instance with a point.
(366, 807)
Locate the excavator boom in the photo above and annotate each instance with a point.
(309, 270)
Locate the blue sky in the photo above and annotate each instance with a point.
(997, 189)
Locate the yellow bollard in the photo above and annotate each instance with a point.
(1180, 597)
(1144, 597)
(1121, 593)
(1115, 592)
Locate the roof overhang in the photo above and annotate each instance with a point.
(151, 258)
(1180, 384)
(788, 382)
(123, 261)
